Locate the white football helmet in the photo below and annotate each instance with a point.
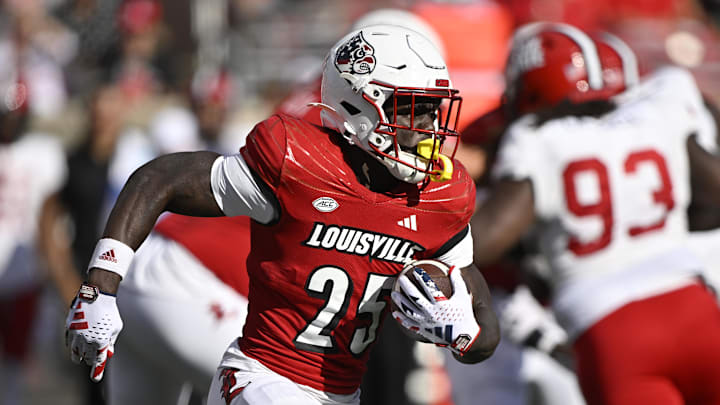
(402, 18)
(379, 64)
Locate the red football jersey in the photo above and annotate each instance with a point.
(221, 244)
(320, 277)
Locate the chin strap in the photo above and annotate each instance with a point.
(430, 150)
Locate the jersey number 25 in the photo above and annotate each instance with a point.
(334, 285)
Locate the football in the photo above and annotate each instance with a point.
(438, 274)
(437, 270)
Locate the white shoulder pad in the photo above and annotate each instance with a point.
(460, 255)
(680, 86)
(517, 150)
(237, 192)
(525, 154)
(673, 90)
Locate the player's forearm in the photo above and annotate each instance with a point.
(488, 340)
(106, 281)
(178, 182)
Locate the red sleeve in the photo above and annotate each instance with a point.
(264, 150)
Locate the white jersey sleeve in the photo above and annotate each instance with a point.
(461, 254)
(675, 91)
(32, 169)
(237, 192)
(681, 84)
(524, 156)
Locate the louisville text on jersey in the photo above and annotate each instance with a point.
(362, 243)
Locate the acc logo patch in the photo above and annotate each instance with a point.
(355, 56)
(325, 204)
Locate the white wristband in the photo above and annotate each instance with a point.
(112, 255)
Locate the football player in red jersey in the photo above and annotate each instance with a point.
(195, 260)
(329, 232)
(607, 175)
(394, 358)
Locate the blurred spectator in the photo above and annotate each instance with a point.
(94, 24)
(143, 70)
(172, 128)
(143, 40)
(712, 7)
(36, 46)
(82, 196)
(88, 171)
(32, 170)
(211, 99)
(690, 43)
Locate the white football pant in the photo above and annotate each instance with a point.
(179, 319)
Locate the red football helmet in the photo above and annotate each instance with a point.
(618, 61)
(550, 62)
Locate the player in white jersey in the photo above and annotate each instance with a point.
(176, 334)
(607, 181)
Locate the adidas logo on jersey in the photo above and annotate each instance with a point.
(109, 256)
(362, 243)
(409, 222)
